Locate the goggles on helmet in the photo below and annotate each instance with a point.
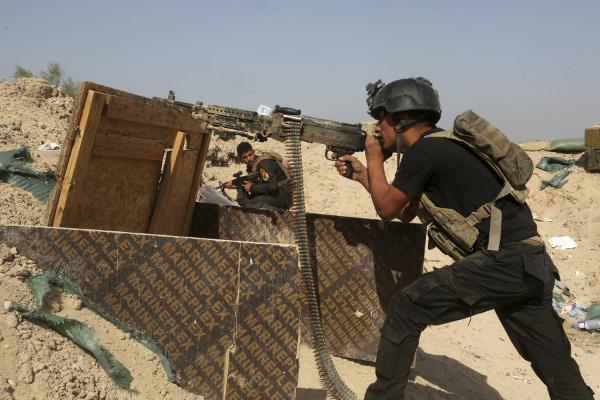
(372, 89)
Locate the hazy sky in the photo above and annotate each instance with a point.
(532, 68)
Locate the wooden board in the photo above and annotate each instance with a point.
(225, 313)
(77, 167)
(175, 190)
(111, 172)
(359, 263)
(119, 146)
(152, 113)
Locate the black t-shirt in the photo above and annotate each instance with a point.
(454, 177)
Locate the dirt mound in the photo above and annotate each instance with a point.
(33, 112)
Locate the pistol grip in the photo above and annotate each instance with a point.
(349, 170)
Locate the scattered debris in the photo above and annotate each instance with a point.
(590, 325)
(518, 377)
(557, 180)
(15, 170)
(542, 219)
(554, 164)
(562, 242)
(563, 287)
(49, 146)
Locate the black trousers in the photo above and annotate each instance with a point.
(517, 282)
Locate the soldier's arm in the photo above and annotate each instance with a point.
(409, 212)
(389, 201)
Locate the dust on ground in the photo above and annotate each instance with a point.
(469, 359)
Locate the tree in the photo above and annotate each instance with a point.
(53, 74)
(21, 72)
(69, 87)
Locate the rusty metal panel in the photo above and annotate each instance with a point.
(359, 263)
(225, 313)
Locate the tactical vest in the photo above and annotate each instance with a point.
(284, 183)
(454, 234)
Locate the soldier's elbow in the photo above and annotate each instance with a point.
(385, 214)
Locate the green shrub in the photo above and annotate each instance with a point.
(69, 87)
(53, 74)
(21, 72)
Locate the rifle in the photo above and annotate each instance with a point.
(339, 138)
(239, 179)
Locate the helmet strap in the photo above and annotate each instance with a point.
(398, 148)
(404, 124)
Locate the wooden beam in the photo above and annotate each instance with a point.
(120, 127)
(153, 113)
(196, 184)
(172, 205)
(118, 146)
(65, 151)
(80, 155)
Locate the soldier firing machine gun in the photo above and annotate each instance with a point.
(289, 126)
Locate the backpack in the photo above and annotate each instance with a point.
(454, 234)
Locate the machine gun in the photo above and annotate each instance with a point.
(339, 138)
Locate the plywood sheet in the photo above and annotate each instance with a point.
(359, 263)
(225, 313)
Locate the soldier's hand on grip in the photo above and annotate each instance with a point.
(373, 147)
(347, 165)
(228, 185)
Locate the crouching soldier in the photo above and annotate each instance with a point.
(271, 189)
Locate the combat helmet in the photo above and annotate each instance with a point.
(412, 94)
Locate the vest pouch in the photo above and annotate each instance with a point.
(443, 243)
(454, 225)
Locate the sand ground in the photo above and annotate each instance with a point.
(469, 359)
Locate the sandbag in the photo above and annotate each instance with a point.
(567, 145)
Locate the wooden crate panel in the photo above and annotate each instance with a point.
(114, 200)
(111, 172)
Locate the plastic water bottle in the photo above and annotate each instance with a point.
(588, 325)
